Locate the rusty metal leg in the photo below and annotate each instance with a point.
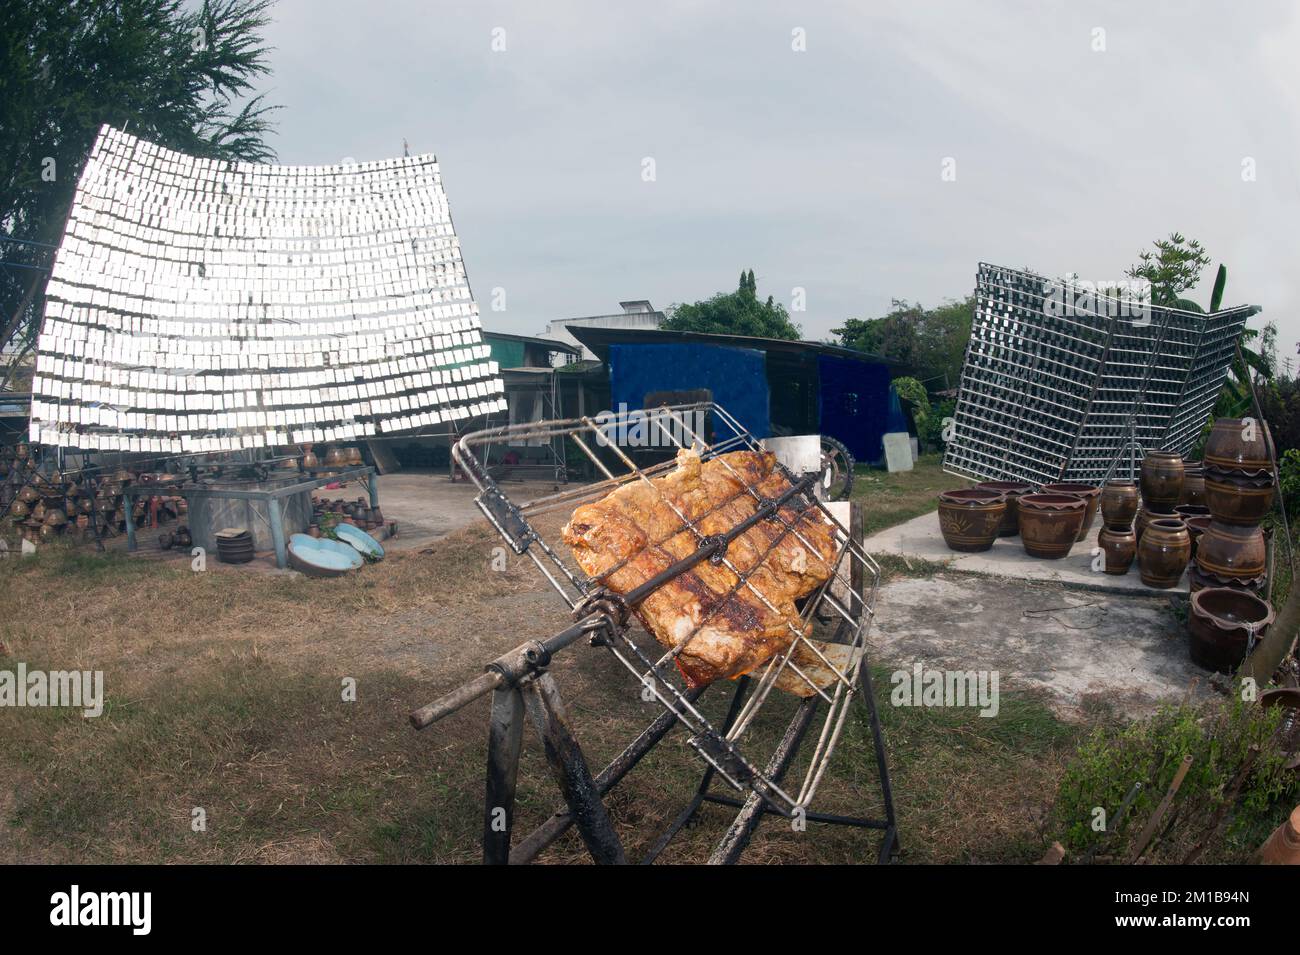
(505, 738)
(742, 828)
(891, 846)
(692, 807)
(546, 711)
(609, 777)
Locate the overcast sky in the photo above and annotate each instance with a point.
(820, 169)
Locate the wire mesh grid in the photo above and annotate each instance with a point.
(825, 653)
(1059, 393)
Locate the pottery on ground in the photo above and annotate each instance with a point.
(1239, 443)
(1049, 523)
(1162, 480)
(1238, 500)
(1119, 547)
(1222, 624)
(1283, 846)
(1163, 553)
(1119, 503)
(970, 518)
(1231, 550)
(1088, 492)
(1011, 490)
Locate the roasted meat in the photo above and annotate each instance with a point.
(724, 627)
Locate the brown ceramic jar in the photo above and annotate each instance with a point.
(1238, 500)
(1193, 483)
(1164, 552)
(1195, 528)
(1118, 547)
(970, 518)
(1049, 523)
(1119, 503)
(1011, 490)
(1146, 516)
(1231, 551)
(1221, 624)
(1162, 480)
(1198, 579)
(1239, 443)
(1088, 492)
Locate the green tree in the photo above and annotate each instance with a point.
(735, 313)
(175, 73)
(1172, 267)
(931, 342)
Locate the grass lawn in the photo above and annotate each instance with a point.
(225, 694)
(888, 499)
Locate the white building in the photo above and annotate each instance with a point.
(636, 315)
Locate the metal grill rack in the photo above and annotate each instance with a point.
(824, 664)
(1060, 394)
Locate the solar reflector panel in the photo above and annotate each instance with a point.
(213, 305)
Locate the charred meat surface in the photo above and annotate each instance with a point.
(724, 627)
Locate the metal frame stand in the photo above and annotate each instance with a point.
(522, 689)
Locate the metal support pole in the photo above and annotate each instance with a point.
(505, 739)
(277, 534)
(746, 822)
(569, 766)
(128, 506)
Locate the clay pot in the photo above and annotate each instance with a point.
(1011, 490)
(1049, 523)
(1119, 545)
(1088, 492)
(1162, 480)
(1198, 579)
(1146, 516)
(313, 530)
(1221, 624)
(970, 518)
(1163, 553)
(1195, 528)
(1186, 511)
(1239, 443)
(336, 458)
(309, 460)
(354, 457)
(1119, 503)
(1283, 846)
(1232, 551)
(1193, 483)
(1238, 500)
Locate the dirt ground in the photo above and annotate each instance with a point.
(226, 705)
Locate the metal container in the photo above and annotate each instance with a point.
(209, 513)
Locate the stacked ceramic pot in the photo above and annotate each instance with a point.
(1164, 545)
(1239, 464)
(1119, 504)
(971, 518)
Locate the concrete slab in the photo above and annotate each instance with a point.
(921, 537)
(1128, 649)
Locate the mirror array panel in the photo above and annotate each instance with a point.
(210, 305)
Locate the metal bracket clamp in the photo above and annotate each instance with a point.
(527, 659)
(608, 608)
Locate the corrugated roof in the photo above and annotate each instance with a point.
(599, 340)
